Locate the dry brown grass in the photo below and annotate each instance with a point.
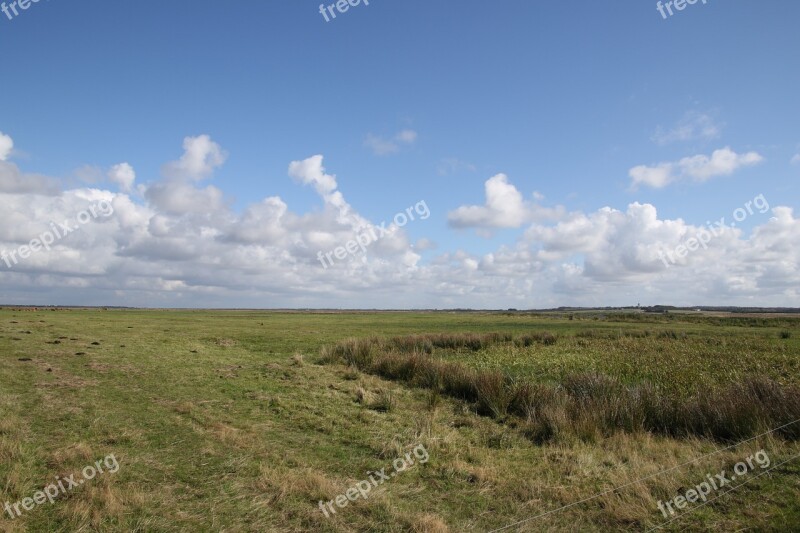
(225, 343)
(428, 523)
(277, 483)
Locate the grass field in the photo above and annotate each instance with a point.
(246, 420)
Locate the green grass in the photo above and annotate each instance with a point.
(228, 421)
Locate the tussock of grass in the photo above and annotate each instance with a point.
(587, 405)
(428, 523)
(384, 401)
(541, 337)
(358, 352)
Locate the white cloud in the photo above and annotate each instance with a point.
(423, 245)
(200, 158)
(183, 198)
(385, 146)
(122, 175)
(311, 172)
(264, 223)
(657, 176)
(609, 250)
(722, 162)
(177, 194)
(796, 160)
(692, 127)
(13, 181)
(615, 245)
(504, 208)
(184, 246)
(6, 145)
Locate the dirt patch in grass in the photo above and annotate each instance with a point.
(225, 343)
(61, 379)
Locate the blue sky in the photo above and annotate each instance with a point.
(406, 102)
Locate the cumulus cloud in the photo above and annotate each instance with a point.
(722, 162)
(14, 181)
(504, 208)
(615, 245)
(657, 176)
(638, 248)
(692, 127)
(311, 172)
(200, 158)
(424, 245)
(6, 145)
(183, 198)
(178, 193)
(187, 247)
(264, 223)
(385, 146)
(122, 175)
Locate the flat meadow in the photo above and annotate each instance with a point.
(260, 420)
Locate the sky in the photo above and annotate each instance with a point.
(410, 154)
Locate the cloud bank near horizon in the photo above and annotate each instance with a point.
(175, 241)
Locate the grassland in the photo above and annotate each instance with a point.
(237, 421)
